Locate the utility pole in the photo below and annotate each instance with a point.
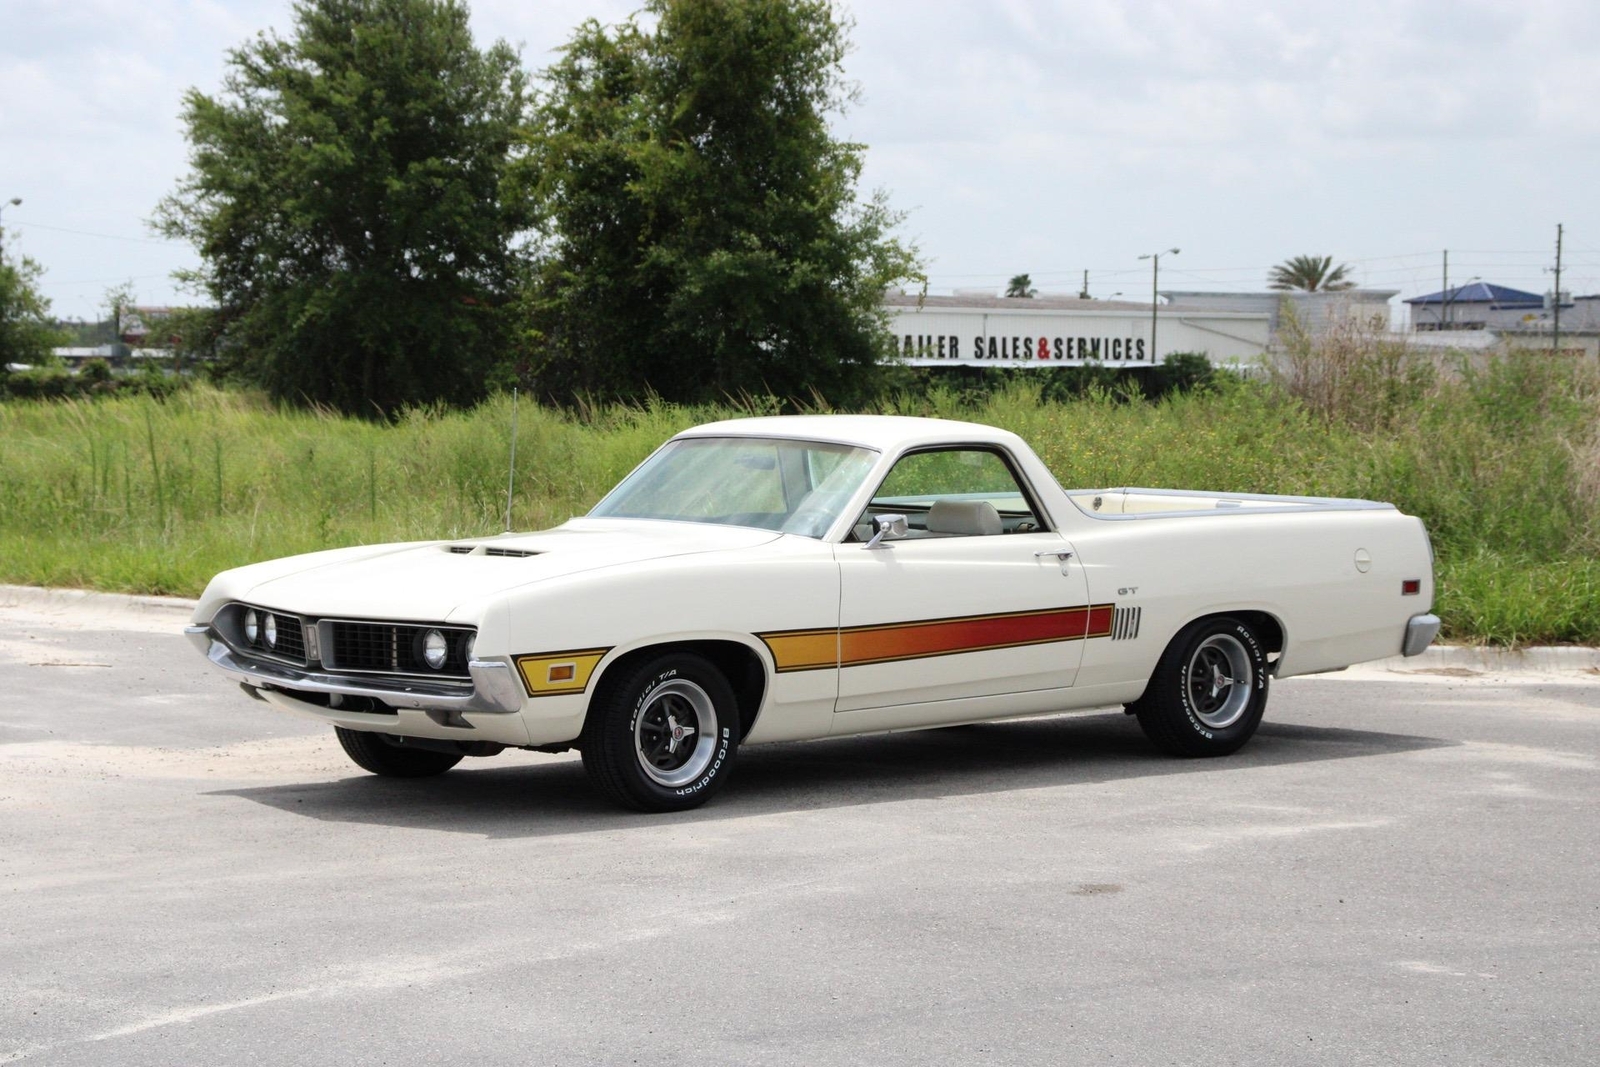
(1444, 294)
(1555, 337)
(1083, 294)
(1155, 273)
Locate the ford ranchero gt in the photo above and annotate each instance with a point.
(792, 578)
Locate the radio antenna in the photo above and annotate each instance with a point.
(511, 473)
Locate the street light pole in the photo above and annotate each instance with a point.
(1155, 275)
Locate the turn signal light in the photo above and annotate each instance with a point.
(1411, 587)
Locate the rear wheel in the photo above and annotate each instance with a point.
(1208, 692)
(389, 756)
(662, 736)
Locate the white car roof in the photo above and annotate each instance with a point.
(886, 433)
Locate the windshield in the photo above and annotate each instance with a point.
(798, 487)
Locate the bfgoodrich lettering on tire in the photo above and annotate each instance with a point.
(663, 735)
(1208, 691)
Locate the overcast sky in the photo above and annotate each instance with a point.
(1046, 136)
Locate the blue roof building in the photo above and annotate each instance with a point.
(1479, 306)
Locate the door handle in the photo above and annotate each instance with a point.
(1062, 554)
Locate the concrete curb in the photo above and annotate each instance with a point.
(1488, 659)
(38, 597)
(1481, 659)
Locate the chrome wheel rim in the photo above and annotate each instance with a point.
(1219, 680)
(675, 737)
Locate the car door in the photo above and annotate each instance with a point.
(979, 600)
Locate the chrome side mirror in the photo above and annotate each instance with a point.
(887, 528)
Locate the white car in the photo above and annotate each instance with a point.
(792, 578)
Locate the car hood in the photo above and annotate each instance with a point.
(428, 581)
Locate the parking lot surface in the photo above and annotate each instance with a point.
(1400, 868)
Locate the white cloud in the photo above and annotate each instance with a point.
(1044, 135)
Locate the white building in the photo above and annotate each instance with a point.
(1053, 331)
(1315, 312)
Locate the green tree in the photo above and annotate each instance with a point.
(1311, 274)
(704, 236)
(27, 333)
(348, 196)
(1021, 285)
(118, 302)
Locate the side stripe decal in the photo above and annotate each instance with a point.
(805, 650)
(548, 674)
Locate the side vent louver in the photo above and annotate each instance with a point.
(1125, 624)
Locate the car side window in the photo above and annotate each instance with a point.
(954, 492)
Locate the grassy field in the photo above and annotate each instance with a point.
(151, 496)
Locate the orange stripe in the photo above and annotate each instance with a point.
(803, 651)
(800, 650)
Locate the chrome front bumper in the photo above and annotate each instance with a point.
(494, 689)
(1420, 632)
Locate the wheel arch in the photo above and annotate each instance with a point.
(1267, 626)
(1174, 716)
(739, 663)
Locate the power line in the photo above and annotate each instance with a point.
(105, 281)
(106, 236)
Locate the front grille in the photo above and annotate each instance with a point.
(290, 646)
(516, 553)
(291, 639)
(391, 648)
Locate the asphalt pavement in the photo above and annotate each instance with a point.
(1401, 868)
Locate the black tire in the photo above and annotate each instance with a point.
(386, 755)
(633, 741)
(1208, 692)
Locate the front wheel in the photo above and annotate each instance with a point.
(389, 756)
(1208, 692)
(663, 735)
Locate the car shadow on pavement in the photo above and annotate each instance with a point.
(534, 800)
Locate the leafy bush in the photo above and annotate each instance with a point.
(95, 380)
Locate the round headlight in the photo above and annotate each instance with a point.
(435, 649)
(269, 629)
(466, 647)
(252, 626)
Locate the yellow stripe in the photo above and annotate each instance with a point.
(803, 650)
(547, 674)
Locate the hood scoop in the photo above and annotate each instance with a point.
(489, 550)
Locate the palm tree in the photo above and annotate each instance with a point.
(1310, 273)
(1021, 285)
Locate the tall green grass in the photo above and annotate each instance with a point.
(149, 496)
(154, 496)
